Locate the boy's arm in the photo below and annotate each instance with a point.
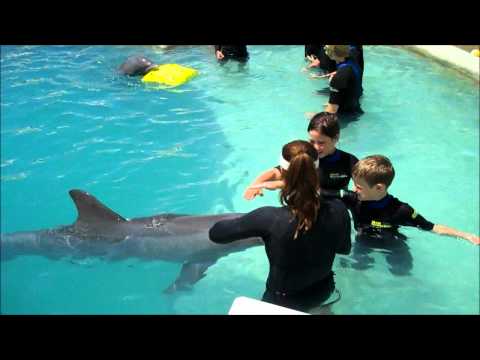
(415, 219)
(349, 198)
(445, 230)
(254, 190)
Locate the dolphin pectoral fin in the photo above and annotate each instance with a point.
(191, 273)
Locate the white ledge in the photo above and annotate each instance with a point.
(451, 55)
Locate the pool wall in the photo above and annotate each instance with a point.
(452, 56)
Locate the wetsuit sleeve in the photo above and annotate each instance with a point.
(253, 224)
(407, 216)
(345, 243)
(349, 198)
(338, 83)
(331, 194)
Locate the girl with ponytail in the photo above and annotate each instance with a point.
(300, 178)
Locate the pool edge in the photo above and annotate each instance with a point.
(452, 56)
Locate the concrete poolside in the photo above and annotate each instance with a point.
(455, 56)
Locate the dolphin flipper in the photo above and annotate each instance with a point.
(191, 273)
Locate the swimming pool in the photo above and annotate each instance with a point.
(69, 121)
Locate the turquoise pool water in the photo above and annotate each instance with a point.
(69, 121)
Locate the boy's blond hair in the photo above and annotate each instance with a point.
(341, 51)
(374, 169)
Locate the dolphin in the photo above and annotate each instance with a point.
(100, 232)
(137, 65)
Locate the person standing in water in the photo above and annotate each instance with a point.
(301, 237)
(235, 52)
(335, 165)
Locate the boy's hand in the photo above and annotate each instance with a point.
(219, 55)
(473, 238)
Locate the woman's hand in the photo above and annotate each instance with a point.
(250, 193)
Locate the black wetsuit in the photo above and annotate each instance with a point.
(346, 88)
(300, 275)
(357, 54)
(236, 52)
(386, 214)
(326, 64)
(377, 224)
(335, 170)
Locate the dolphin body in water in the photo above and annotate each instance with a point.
(101, 232)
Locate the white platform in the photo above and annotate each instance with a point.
(247, 306)
(451, 55)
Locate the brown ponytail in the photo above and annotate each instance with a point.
(300, 192)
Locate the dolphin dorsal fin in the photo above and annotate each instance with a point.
(92, 211)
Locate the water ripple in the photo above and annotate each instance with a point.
(26, 130)
(107, 151)
(40, 160)
(14, 177)
(7, 162)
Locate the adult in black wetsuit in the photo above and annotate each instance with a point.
(335, 168)
(301, 238)
(236, 52)
(356, 52)
(378, 215)
(318, 59)
(346, 84)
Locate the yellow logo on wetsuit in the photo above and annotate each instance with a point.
(380, 225)
(414, 214)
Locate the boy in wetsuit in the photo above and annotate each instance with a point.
(235, 52)
(346, 83)
(377, 215)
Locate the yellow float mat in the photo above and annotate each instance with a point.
(170, 74)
